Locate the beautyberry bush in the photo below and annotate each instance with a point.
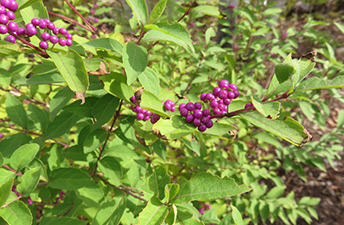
(153, 127)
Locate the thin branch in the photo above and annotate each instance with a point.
(5, 205)
(16, 172)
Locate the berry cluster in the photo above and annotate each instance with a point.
(7, 8)
(143, 114)
(218, 101)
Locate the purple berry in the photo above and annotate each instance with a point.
(21, 31)
(2, 9)
(69, 42)
(223, 94)
(134, 109)
(6, 3)
(56, 30)
(224, 84)
(3, 29)
(140, 116)
(146, 118)
(70, 36)
(35, 21)
(190, 106)
(51, 26)
(42, 24)
(43, 45)
(62, 42)
(170, 102)
(54, 39)
(4, 19)
(45, 36)
(31, 31)
(132, 99)
(227, 101)
(196, 122)
(198, 113)
(189, 118)
(12, 26)
(95, 6)
(10, 38)
(213, 104)
(236, 93)
(138, 109)
(233, 87)
(173, 109)
(13, 5)
(148, 113)
(217, 111)
(210, 124)
(63, 31)
(210, 96)
(96, 20)
(205, 119)
(29, 25)
(221, 107)
(198, 105)
(92, 11)
(203, 96)
(167, 106)
(248, 105)
(216, 91)
(202, 128)
(10, 15)
(184, 112)
(230, 95)
(155, 116)
(46, 20)
(143, 110)
(206, 112)
(181, 106)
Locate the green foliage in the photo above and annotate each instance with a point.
(88, 159)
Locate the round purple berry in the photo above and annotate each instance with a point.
(3, 19)
(92, 11)
(203, 96)
(146, 118)
(224, 84)
(132, 99)
(190, 106)
(11, 39)
(70, 36)
(233, 87)
(51, 26)
(210, 96)
(205, 119)
(181, 106)
(217, 111)
(10, 15)
(54, 39)
(42, 24)
(184, 112)
(63, 31)
(96, 20)
(95, 6)
(2, 9)
(236, 93)
(140, 116)
(46, 20)
(143, 110)
(134, 109)
(43, 45)
(216, 91)
(3, 29)
(189, 118)
(21, 31)
(227, 101)
(173, 109)
(213, 104)
(155, 116)
(198, 105)
(35, 21)
(148, 113)
(223, 94)
(248, 105)
(210, 124)
(31, 31)
(230, 95)
(45, 36)
(202, 128)
(62, 42)
(6, 3)
(206, 112)
(167, 106)
(196, 122)
(12, 26)
(198, 113)
(29, 25)
(13, 5)
(56, 30)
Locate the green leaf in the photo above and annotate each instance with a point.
(271, 11)
(5, 191)
(59, 101)
(94, 140)
(164, 31)
(84, 110)
(304, 67)
(111, 169)
(158, 180)
(313, 212)
(175, 127)
(11, 143)
(30, 181)
(340, 119)
(48, 78)
(152, 103)
(5, 77)
(106, 43)
(26, 3)
(245, 12)
(237, 216)
(267, 109)
(316, 83)
(275, 192)
(205, 186)
(35, 10)
(104, 109)
(157, 11)
(207, 10)
(135, 60)
(1, 159)
(150, 81)
(139, 8)
(91, 194)
(264, 210)
(144, 130)
(73, 70)
(15, 111)
(171, 190)
(5, 175)
(111, 212)
(154, 213)
(186, 215)
(285, 71)
(23, 156)
(192, 145)
(340, 27)
(68, 179)
(16, 213)
(56, 159)
(9, 50)
(61, 125)
(288, 129)
(52, 220)
(159, 148)
(38, 115)
(115, 84)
